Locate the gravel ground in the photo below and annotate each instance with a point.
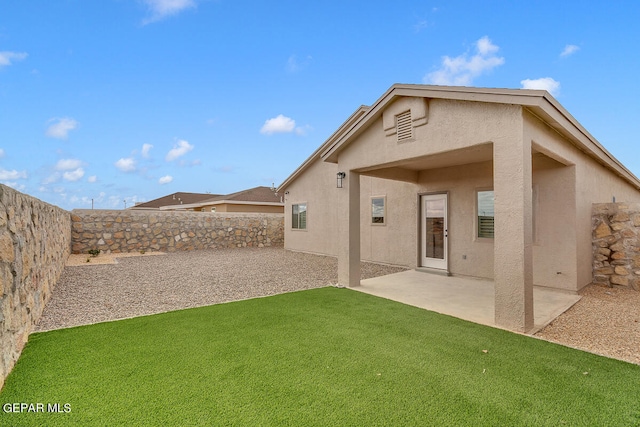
(605, 321)
(138, 285)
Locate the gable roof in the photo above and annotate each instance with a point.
(252, 196)
(538, 102)
(174, 199)
(256, 194)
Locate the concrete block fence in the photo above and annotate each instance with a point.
(35, 242)
(115, 231)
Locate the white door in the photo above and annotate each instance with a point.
(433, 230)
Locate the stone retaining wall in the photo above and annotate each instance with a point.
(131, 231)
(616, 244)
(35, 241)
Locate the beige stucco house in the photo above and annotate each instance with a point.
(490, 183)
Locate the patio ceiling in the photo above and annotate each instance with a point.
(407, 170)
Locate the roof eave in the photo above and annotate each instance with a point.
(539, 101)
(355, 116)
(461, 93)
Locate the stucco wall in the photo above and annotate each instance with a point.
(130, 230)
(571, 201)
(35, 241)
(317, 188)
(239, 207)
(468, 255)
(554, 227)
(230, 207)
(381, 243)
(458, 152)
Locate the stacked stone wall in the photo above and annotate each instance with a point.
(35, 241)
(130, 230)
(616, 244)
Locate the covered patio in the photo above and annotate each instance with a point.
(464, 297)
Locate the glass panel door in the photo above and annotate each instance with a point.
(434, 231)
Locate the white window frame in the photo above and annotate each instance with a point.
(384, 210)
(478, 212)
(295, 224)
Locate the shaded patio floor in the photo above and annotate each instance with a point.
(467, 298)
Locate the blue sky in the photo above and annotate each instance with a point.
(129, 100)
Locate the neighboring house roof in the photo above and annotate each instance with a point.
(538, 102)
(256, 194)
(263, 196)
(174, 199)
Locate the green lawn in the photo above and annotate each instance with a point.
(329, 357)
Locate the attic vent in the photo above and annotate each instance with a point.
(403, 126)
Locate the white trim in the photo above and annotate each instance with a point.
(306, 221)
(384, 211)
(436, 263)
(476, 230)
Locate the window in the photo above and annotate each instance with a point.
(299, 216)
(485, 214)
(378, 210)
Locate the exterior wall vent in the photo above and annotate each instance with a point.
(404, 126)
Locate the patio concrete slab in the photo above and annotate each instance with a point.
(467, 298)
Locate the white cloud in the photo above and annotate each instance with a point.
(145, 149)
(569, 49)
(61, 128)
(126, 164)
(74, 175)
(12, 174)
(420, 25)
(160, 9)
(545, 83)
(165, 179)
(92, 178)
(294, 64)
(280, 124)
(68, 164)
(54, 177)
(461, 70)
(1, 153)
(7, 58)
(178, 150)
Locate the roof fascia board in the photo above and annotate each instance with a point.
(531, 99)
(355, 116)
(500, 96)
(584, 141)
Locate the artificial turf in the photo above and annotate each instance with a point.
(324, 357)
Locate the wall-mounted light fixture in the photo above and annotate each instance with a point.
(340, 176)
